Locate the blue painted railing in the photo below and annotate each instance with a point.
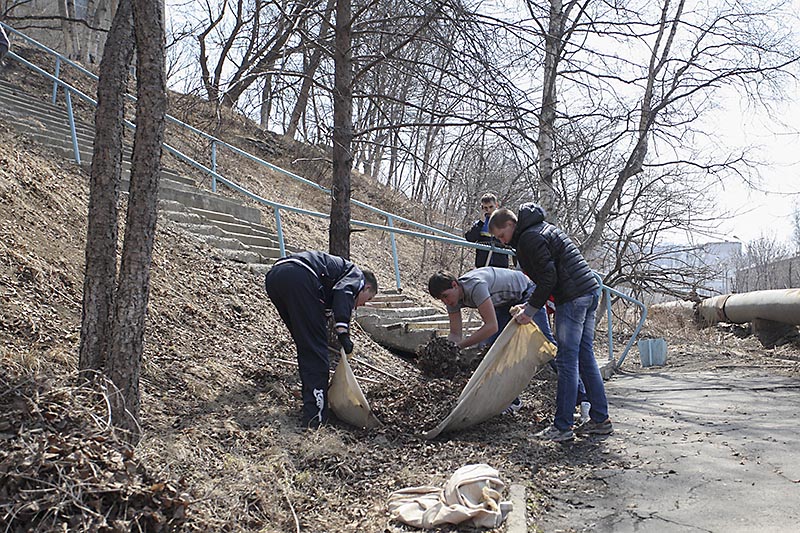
(608, 292)
(437, 234)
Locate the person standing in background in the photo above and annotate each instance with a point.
(479, 232)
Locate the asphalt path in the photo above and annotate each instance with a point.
(709, 451)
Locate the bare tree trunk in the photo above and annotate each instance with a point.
(547, 118)
(635, 161)
(339, 239)
(99, 20)
(125, 357)
(266, 102)
(67, 28)
(308, 75)
(101, 235)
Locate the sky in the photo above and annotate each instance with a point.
(764, 211)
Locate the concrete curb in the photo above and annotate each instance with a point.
(517, 522)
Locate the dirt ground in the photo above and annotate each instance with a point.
(222, 449)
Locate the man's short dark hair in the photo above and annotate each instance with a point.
(501, 217)
(369, 279)
(440, 282)
(488, 197)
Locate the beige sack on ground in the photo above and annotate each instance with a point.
(346, 398)
(471, 496)
(517, 354)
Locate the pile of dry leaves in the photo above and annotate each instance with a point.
(62, 468)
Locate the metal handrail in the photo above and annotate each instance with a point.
(608, 291)
(219, 142)
(68, 89)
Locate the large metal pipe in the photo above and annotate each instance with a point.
(781, 305)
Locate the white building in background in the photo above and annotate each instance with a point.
(718, 259)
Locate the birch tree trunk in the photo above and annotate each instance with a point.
(547, 118)
(66, 10)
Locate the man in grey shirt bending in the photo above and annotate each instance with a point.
(493, 292)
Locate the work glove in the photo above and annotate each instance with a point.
(344, 340)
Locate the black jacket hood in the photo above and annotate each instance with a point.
(529, 215)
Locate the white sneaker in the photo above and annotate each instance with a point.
(583, 417)
(554, 434)
(515, 406)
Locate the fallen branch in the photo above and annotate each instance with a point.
(360, 378)
(371, 367)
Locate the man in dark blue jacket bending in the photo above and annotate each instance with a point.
(550, 258)
(303, 286)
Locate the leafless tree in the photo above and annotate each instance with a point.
(101, 235)
(133, 291)
(114, 310)
(692, 54)
(759, 267)
(339, 234)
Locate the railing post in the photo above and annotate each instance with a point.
(214, 166)
(281, 244)
(75, 149)
(390, 223)
(607, 296)
(55, 83)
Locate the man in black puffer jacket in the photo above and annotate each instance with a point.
(548, 256)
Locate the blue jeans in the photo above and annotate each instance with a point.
(575, 322)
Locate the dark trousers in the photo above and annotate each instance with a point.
(296, 293)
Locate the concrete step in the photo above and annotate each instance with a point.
(222, 243)
(253, 240)
(243, 227)
(232, 228)
(183, 218)
(45, 113)
(392, 305)
(34, 126)
(216, 216)
(261, 268)
(240, 256)
(440, 324)
(197, 228)
(389, 315)
(166, 174)
(266, 251)
(201, 203)
(382, 297)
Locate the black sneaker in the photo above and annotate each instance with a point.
(595, 428)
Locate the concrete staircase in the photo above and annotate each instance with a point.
(400, 324)
(231, 227)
